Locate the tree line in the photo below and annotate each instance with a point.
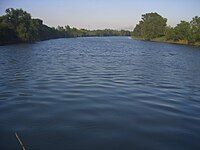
(154, 27)
(18, 26)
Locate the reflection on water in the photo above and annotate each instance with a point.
(100, 93)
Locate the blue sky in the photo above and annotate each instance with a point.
(93, 14)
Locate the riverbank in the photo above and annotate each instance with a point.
(29, 30)
(164, 40)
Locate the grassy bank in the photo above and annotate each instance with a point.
(164, 40)
(181, 42)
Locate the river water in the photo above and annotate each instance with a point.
(110, 93)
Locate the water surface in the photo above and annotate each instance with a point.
(110, 93)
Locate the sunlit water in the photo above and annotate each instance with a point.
(100, 94)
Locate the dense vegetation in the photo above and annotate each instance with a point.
(154, 27)
(18, 26)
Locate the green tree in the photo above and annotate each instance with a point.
(182, 31)
(20, 21)
(137, 32)
(169, 33)
(151, 26)
(195, 29)
(7, 34)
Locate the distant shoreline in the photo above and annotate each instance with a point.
(21, 42)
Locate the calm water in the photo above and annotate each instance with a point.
(100, 94)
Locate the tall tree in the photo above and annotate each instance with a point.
(169, 33)
(195, 29)
(151, 26)
(137, 32)
(182, 31)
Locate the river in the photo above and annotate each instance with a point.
(108, 93)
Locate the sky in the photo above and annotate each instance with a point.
(101, 14)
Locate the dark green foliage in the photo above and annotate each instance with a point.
(169, 33)
(152, 26)
(182, 31)
(137, 32)
(18, 26)
(7, 34)
(20, 23)
(185, 31)
(195, 29)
